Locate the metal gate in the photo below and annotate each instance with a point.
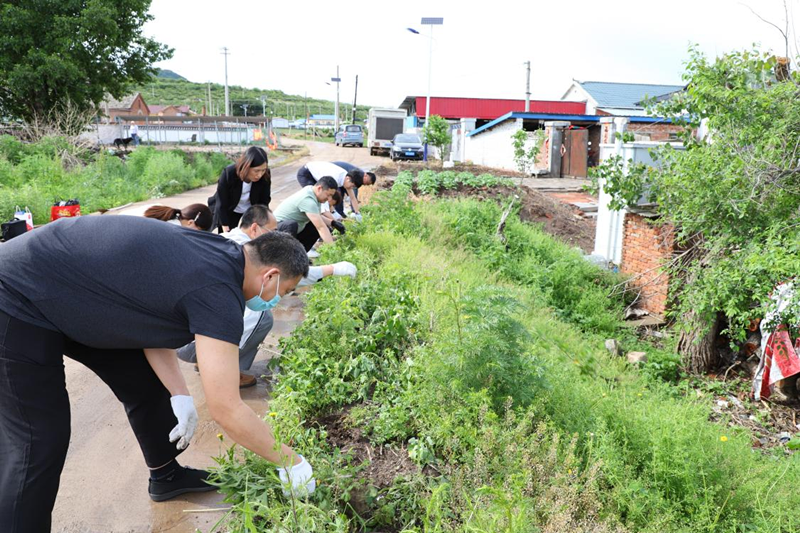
(576, 153)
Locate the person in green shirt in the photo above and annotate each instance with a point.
(300, 214)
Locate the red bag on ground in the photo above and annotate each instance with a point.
(70, 208)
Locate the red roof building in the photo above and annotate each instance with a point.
(485, 109)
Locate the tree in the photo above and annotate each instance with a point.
(72, 53)
(437, 133)
(734, 196)
(526, 149)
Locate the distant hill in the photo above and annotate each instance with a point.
(169, 75)
(176, 90)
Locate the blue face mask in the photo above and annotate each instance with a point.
(256, 303)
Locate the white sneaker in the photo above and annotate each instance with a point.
(312, 254)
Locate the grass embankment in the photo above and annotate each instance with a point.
(36, 175)
(483, 363)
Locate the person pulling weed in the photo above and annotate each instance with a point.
(119, 294)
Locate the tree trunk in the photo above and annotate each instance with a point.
(697, 345)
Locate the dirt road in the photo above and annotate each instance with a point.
(104, 483)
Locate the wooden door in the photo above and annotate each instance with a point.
(576, 153)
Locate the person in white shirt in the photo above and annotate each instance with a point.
(348, 178)
(256, 221)
(134, 132)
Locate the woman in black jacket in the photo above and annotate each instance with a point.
(247, 182)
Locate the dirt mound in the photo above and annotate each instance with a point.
(392, 168)
(557, 219)
(383, 463)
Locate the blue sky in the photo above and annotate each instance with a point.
(478, 52)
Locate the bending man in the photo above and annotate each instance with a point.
(124, 286)
(257, 221)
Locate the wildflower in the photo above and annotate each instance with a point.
(640, 394)
(273, 414)
(723, 438)
(220, 437)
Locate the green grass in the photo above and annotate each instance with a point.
(37, 175)
(487, 364)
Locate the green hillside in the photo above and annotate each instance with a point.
(169, 74)
(166, 91)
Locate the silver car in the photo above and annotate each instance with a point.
(406, 146)
(351, 134)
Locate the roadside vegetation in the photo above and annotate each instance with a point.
(461, 384)
(36, 175)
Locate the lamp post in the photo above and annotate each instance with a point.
(428, 21)
(337, 79)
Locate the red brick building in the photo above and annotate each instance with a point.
(132, 104)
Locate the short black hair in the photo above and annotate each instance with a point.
(357, 176)
(373, 179)
(280, 250)
(255, 214)
(327, 183)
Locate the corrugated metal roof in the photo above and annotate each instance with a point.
(569, 118)
(625, 95)
(485, 108)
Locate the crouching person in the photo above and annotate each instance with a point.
(136, 283)
(256, 221)
(300, 214)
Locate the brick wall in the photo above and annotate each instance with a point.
(653, 132)
(646, 247)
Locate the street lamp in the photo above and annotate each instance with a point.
(428, 21)
(337, 79)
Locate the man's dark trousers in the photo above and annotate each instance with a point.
(305, 178)
(35, 416)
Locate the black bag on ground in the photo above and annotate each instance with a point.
(13, 228)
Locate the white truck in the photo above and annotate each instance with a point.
(383, 125)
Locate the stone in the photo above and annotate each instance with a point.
(612, 346)
(637, 357)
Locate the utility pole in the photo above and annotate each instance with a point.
(337, 79)
(227, 96)
(528, 89)
(210, 110)
(355, 99)
(245, 106)
(264, 105)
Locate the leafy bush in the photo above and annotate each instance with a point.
(35, 175)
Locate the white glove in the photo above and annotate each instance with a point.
(356, 217)
(344, 268)
(298, 479)
(183, 407)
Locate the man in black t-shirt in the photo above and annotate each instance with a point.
(118, 294)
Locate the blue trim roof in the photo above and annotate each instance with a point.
(568, 118)
(322, 117)
(625, 95)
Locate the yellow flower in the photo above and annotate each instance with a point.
(639, 394)
(220, 437)
(723, 438)
(569, 472)
(273, 414)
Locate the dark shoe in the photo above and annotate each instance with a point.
(246, 380)
(182, 481)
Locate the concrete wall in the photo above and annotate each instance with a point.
(646, 248)
(576, 94)
(493, 147)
